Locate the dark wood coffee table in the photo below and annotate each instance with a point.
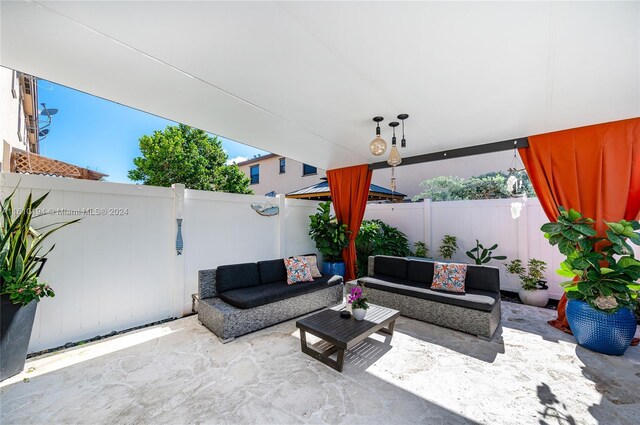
(343, 334)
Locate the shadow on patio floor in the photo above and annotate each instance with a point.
(466, 344)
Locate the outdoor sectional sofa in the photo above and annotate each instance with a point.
(403, 284)
(241, 298)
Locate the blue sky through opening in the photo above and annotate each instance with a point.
(101, 135)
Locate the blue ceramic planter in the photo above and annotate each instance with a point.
(606, 333)
(329, 268)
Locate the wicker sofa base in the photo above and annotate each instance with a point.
(480, 323)
(228, 322)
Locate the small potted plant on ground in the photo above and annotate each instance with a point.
(331, 237)
(448, 247)
(533, 287)
(358, 302)
(603, 291)
(422, 250)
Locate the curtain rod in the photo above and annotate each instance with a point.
(505, 145)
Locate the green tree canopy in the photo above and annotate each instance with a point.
(182, 154)
(486, 186)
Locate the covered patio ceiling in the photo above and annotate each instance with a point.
(304, 79)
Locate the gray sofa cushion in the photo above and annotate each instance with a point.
(272, 271)
(378, 278)
(236, 276)
(420, 271)
(391, 266)
(474, 299)
(271, 292)
(483, 278)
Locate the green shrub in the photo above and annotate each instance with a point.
(378, 238)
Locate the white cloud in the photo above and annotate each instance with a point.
(236, 160)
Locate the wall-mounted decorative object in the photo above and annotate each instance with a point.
(267, 209)
(179, 242)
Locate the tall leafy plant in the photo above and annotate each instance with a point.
(22, 253)
(604, 271)
(448, 247)
(330, 236)
(378, 238)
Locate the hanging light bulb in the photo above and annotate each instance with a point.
(394, 156)
(378, 146)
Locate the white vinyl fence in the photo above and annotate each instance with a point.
(489, 221)
(118, 267)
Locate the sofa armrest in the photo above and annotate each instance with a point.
(207, 284)
(371, 265)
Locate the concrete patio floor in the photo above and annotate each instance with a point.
(179, 372)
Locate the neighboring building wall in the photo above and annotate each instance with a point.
(13, 128)
(272, 180)
(408, 178)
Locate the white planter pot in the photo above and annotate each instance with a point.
(359, 313)
(536, 297)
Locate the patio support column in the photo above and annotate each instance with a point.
(593, 169)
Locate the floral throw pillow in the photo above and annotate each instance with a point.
(298, 270)
(313, 265)
(449, 277)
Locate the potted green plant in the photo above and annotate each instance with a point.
(603, 292)
(482, 255)
(422, 250)
(533, 286)
(22, 257)
(358, 301)
(331, 237)
(448, 247)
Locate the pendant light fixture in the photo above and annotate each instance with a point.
(394, 156)
(378, 146)
(402, 117)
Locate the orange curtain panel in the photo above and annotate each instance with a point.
(593, 169)
(349, 192)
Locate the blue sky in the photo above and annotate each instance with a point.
(95, 133)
